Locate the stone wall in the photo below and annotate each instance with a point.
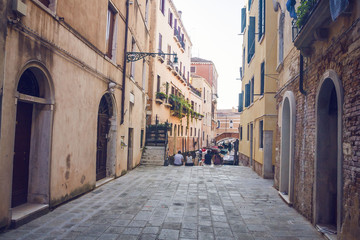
(243, 160)
(342, 55)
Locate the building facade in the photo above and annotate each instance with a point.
(317, 167)
(72, 111)
(207, 70)
(256, 102)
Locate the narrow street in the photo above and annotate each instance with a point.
(223, 202)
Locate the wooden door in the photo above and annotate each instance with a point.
(101, 153)
(130, 149)
(20, 180)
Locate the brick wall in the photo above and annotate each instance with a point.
(343, 57)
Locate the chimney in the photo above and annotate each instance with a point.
(180, 13)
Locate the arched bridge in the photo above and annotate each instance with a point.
(226, 135)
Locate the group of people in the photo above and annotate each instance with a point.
(203, 157)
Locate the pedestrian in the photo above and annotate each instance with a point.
(189, 160)
(208, 157)
(178, 159)
(216, 159)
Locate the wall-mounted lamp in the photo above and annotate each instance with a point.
(135, 56)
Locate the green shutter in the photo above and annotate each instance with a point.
(243, 19)
(247, 95)
(262, 78)
(249, 4)
(261, 23)
(251, 39)
(241, 102)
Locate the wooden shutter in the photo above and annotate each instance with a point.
(241, 102)
(247, 95)
(243, 19)
(251, 39)
(261, 23)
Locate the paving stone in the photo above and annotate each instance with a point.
(175, 203)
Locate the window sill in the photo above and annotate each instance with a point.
(46, 9)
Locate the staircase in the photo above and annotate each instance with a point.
(153, 156)
(155, 146)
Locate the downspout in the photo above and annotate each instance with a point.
(301, 82)
(125, 63)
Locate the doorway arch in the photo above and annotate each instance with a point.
(288, 116)
(33, 136)
(328, 156)
(106, 138)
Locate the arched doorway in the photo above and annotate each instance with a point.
(328, 162)
(32, 145)
(105, 155)
(286, 187)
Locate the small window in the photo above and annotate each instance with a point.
(191, 132)
(160, 43)
(262, 78)
(218, 124)
(182, 130)
(158, 83)
(241, 133)
(248, 132)
(110, 29)
(162, 6)
(193, 69)
(170, 20)
(195, 132)
(261, 134)
(231, 124)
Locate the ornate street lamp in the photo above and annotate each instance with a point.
(135, 56)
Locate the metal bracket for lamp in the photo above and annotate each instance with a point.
(136, 56)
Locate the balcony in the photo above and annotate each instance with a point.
(311, 26)
(179, 40)
(195, 91)
(169, 64)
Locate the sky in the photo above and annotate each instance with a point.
(213, 27)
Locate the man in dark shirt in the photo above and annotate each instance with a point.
(208, 157)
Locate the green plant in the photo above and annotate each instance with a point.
(303, 12)
(161, 95)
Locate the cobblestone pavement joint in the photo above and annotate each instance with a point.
(222, 203)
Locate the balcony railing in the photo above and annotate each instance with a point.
(179, 39)
(194, 90)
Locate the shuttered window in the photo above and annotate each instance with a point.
(243, 19)
(241, 102)
(250, 2)
(261, 134)
(262, 78)
(247, 95)
(261, 23)
(251, 39)
(252, 86)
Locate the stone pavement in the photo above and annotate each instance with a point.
(225, 202)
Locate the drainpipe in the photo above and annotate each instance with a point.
(124, 65)
(301, 82)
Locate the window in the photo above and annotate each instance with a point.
(162, 6)
(178, 130)
(250, 3)
(251, 39)
(247, 95)
(203, 136)
(160, 43)
(281, 38)
(144, 75)
(241, 102)
(170, 20)
(193, 69)
(147, 12)
(248, 132)
(167, 89)
(252, 90)
(158, 84)
(110, 29)
(261, 23)
(132, 66)
(218, 124)
(182, 130)
(142, 138)
(261, 134)
(231, 124)
(262, 78)
(240, 133)
(243, 19)
(46, 3)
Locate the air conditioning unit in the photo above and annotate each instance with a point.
(19, 7)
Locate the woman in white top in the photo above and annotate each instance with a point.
(189, 160)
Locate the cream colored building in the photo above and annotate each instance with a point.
(257, 103)
(71, 118)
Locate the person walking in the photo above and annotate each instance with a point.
(208, 157)
(178, 159)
